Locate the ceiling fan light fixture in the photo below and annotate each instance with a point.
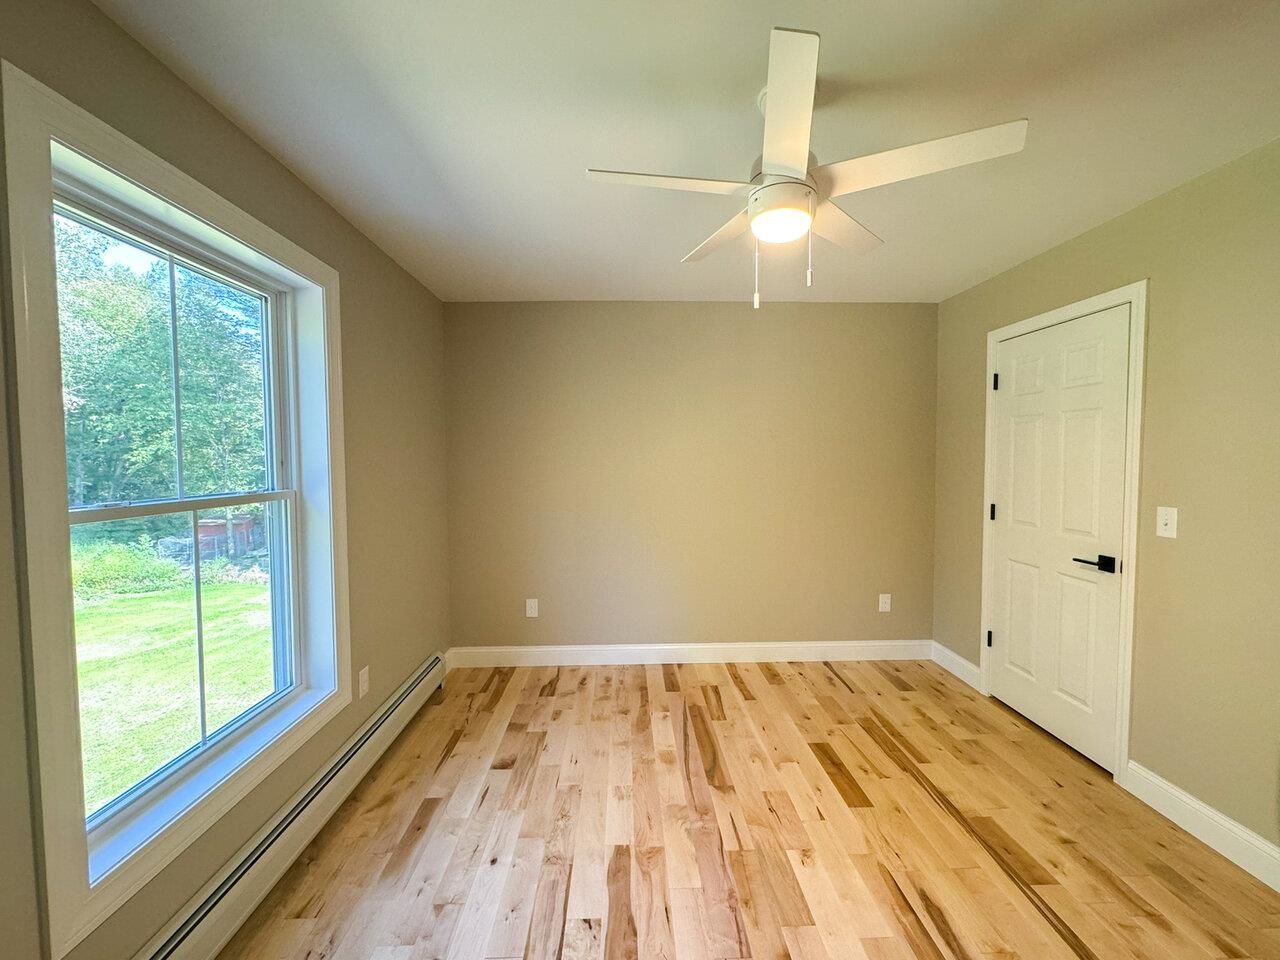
(781, 212)
(781, 225)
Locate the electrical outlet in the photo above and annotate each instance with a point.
(886, 602)
(364, 681)
(531, 608)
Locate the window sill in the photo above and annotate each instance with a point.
(133, 845)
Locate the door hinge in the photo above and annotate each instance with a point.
(995, 381)
(993, 511)
(988, 638)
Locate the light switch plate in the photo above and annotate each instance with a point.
(531, 608)
(1167, 522)
(364, 681)
(886, 602)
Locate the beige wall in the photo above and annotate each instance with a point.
(393, 382)
(1206, 692)
(689, 472)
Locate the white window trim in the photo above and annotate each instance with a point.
(171, 816)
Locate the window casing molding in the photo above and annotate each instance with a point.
(48, 145)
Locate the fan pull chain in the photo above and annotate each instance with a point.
(756, 298)
(808, 277)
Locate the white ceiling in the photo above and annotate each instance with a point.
(455, 133)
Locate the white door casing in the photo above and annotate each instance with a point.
(1062, 437)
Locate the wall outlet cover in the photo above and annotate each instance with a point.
(886, 602)
(364, 681)
(531, 608)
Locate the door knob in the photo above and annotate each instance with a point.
(1104, 563)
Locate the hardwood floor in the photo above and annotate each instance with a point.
(702, 812)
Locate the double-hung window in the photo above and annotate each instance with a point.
(179, 503)
(180, 444)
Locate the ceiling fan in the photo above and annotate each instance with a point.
(787, 196)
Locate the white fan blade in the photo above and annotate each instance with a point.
(932, 156)
(788, 105)
(735, 227)
(694, 184)
(832, 223)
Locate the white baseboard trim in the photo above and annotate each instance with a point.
(595, 654)
(1246, 849)
(955, 664)
(210, 918)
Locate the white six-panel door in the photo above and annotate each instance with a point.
(1059, 474)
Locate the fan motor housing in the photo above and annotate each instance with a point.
(791, 194)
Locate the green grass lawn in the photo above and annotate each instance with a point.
(138, 676)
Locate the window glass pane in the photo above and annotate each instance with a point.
(238, 620)
(117, 379)
(220, 365)
(137, 668)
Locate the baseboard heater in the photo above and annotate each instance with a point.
(206, 906)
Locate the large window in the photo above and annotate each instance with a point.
(178, 506)
(179, 419)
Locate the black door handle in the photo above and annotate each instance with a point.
(1104, 563)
